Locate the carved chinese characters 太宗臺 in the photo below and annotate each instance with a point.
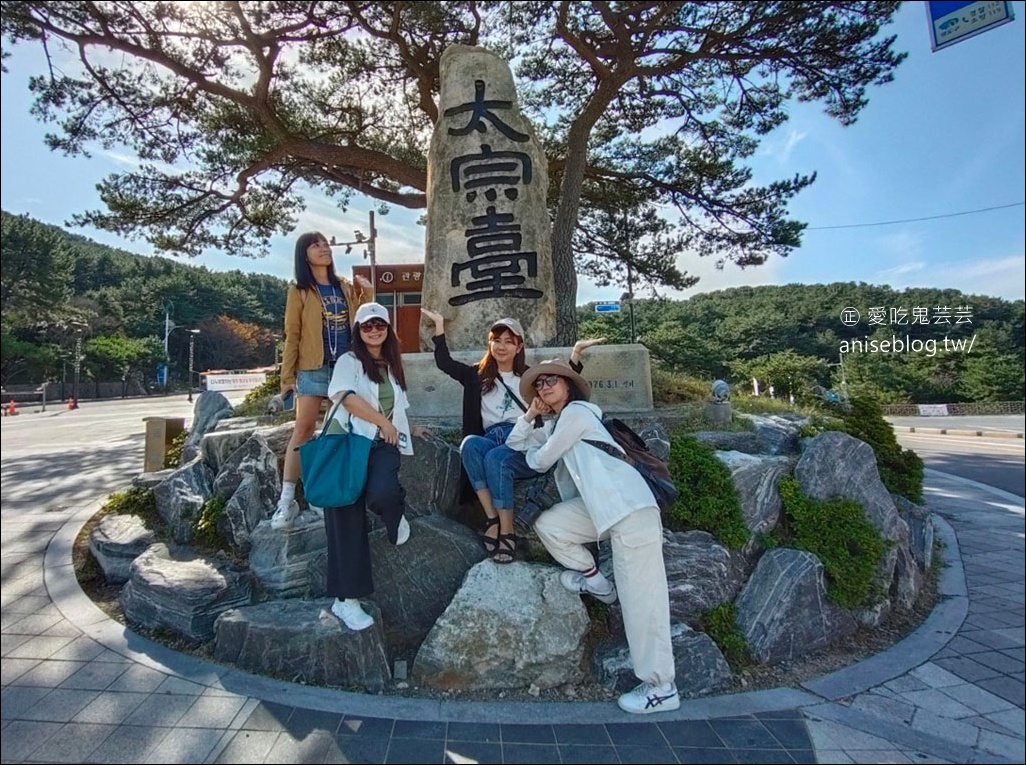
(496, 267)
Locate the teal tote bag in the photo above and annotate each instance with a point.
(333, 466)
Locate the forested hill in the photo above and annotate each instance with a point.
(793, 337)
(54, 282)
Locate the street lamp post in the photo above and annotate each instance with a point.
(192, 351)
(371, 248)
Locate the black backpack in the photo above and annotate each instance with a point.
(655, 471)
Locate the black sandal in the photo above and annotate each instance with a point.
(505, 549)
(491, 544)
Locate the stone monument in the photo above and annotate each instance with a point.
(489, 250)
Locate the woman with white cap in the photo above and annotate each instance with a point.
(490, 407)
(602, 498)
(370, 383)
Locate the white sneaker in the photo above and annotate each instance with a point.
(403, 533)
(285, 515)
(578, 583)
(648, 698)
(352, 614)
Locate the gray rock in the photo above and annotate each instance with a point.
(280, 559)
(873, 616)
(219, 445)
(211, 407)
(469, 278)
(242, 512)
(182, 591)
(150, 480)
(783, 611)
(731, 441)
(431, 477)
(439, 550)
(756, 479)
(920, 530)
(779, 433)
(181, 496)
(836, 464)
(253, 458)
(509, 626)
(700, 572)
(908, 580)
(698, 662)
(303, 642)
(117, 541)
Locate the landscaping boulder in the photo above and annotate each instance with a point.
(117, 541)
(509, 626)
(218, 445)
(280, 558)
(701, 573)
(920, 530)
(211, 407)
(778, 432)
(756, 479)
(748, 442)
(431, 477)
(253, 458)
(699, 665)
(414, 583)
(181, 496)
(182, 591)
(783, 611)
(303, 642)
(243, 511)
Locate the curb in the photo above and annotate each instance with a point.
(958, 432)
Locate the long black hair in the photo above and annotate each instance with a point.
(304, 275)
(391, 355)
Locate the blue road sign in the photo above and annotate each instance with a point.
(608, 306)
(951, 22)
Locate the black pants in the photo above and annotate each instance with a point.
(349, 562)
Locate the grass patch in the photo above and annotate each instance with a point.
(720, 624)
(838, 533)
(708, 499)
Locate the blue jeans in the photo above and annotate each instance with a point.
(492, 465)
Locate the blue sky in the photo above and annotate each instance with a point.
(947, 137)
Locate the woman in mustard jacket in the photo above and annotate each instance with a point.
(319, 313)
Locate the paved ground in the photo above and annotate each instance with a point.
(78, 687)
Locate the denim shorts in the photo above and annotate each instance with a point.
(313, 382)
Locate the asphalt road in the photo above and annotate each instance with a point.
(60, 459)
(997, 462)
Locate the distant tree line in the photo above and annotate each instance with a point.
(794, 338)
(58, 286)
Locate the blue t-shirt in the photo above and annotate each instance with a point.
(336, 322)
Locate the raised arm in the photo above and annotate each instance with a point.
(457, 370)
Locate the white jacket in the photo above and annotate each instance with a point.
(349, 375)
(611, 488)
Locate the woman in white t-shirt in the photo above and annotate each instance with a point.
(491, 404)
(370, 384)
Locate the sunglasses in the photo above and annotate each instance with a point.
(546, 381)
(374, 325)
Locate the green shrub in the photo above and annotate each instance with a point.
(173, 458)
(205, 524)
(839, 534)
(258, 398)
(720, 624)
(901, 470)
(136, 500)
(670, 388)
(708, 499)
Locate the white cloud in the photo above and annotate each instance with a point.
(781, 150)
(898, 271)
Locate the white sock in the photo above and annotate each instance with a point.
(597, 581)
(288, 491)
